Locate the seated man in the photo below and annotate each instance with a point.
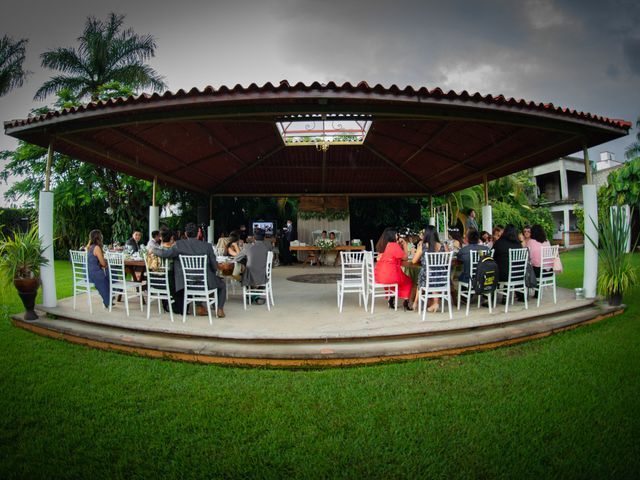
(256, 257)
(464, 254)
(155, 240)
(192, 246)
(133, 244)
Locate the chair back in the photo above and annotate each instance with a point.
(269, 267)
(157, 280)
(79, 266)
(353, 266)
(549, 255)
(438, 270)
(115, 260)
(518, 258)
(473, 262)
(369, 269)
(547, 262)
(194, 272)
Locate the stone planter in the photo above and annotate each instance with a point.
(615, 299)
(28, 290)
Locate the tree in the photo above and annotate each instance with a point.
(633, 150)
(106, 53)
(12, 56)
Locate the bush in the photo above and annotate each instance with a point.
(16, 219)
(504, 213)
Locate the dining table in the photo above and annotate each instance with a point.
(314, 251)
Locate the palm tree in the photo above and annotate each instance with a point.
(107, 53)
(633, 150)
(11, 59)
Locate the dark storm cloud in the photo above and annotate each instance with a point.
(631, 48)
(580, 54)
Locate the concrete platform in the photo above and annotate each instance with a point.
(305, 328)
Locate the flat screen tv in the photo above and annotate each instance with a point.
(268, 227)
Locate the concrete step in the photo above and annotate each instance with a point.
(300, 352)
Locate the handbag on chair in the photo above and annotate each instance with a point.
(530, 279)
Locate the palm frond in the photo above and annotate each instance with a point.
(12, 55)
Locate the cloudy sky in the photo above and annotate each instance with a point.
(582, 54)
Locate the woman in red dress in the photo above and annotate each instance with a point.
(388, 267)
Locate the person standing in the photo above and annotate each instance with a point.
(133, 244)
(97, 266)
(471, 223)
(286, 258)
(192, 246)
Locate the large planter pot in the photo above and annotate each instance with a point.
(615, 299)
(28, 290)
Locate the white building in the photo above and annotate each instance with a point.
(560, 188)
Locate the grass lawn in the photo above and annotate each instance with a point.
(567, 406)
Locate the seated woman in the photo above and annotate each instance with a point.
(535, 244)
(233, 247)
(485, 238)
(223, 243)
(330, 258)
(430, 243)
(233, 250)
(97, 266)
(497, 233)
(455, 239)
(525, 236)
(388, 268)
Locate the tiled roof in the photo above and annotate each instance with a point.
(422, 93)
(225, 141)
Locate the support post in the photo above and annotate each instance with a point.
(590, 276)
(154, 211)
(565, 230)
(587, 165)
(47, 177)
(45, 231)
(210, 229)
(487, 211)
(487, 218)
(154, 219)
(564, 185)
(432, 215)
(486, 189)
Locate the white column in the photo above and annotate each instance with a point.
(565, 231)
(590, 278)
(564, 185)
(154, 219)
(45, 231)
(432, 221)
(487, 218)
(210, 232)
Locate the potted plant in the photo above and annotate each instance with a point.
(616, 273)
(21, 256)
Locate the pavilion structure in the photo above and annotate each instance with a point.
(318, 139)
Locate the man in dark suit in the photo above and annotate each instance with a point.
(192, 246)
(287, 236)
(134, 242)
(255, 255)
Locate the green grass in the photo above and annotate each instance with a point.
(562, 407)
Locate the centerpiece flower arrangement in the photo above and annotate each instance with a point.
(325, 244)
